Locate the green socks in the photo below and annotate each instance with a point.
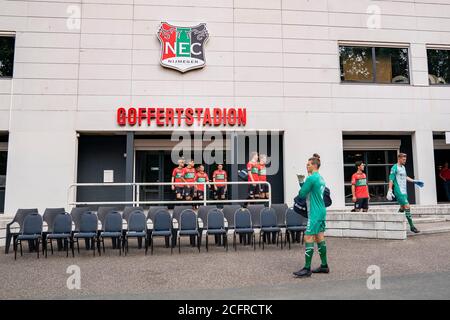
(309, 251)
(409, 218)
(323, 253)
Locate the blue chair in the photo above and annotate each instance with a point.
(112, 228)
(137, 228)
(188, 226)
(202, 214)
(31, 231)
(127, 211)
(87, 229)
(228, 212)
(162, 227)
(49, 217)
(269, 226)
(153, 210)
(280, 210)
(19, 218)
(76, 213)
(295, 223)
(60, 230)
(215, 225)
(243, 226)
(255, 211)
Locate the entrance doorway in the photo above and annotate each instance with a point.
(441, 156)
(3, 161)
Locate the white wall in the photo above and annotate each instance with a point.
(277, 58)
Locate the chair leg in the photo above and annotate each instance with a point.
(93, 246)
(254, 241)
(259, 242)
(151, 249)
(67, 247)
(51, 246)
(78, 246)
(45, 248)
(234, 241)
(264, 236)
(303, 237)
(226, 242)
(15, 249)
(206, 241)
(198, 242)
(146, 245)
(37, 247)
(21, 248)
(103, 244)
(73, 247)
(179, 244)
(171, 246)
(119, 240)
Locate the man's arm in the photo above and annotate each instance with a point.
(306, 188)
(353, 193)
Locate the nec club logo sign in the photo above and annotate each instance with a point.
(182, 48)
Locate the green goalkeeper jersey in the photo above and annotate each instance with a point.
(398, 177)
(312, 190)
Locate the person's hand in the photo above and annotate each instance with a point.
(390, 195)
(419, 183)
(215, 187)
(173, 187)
(369, 198)
(354, 199)
(254, 185)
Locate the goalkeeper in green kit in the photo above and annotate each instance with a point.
(313, 190)
(397, 188)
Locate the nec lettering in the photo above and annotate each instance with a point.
(180, 47)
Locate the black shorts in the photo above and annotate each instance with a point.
(189, 192)
(179, 190)
(362, 203)
(253, 189)
(264, 188)
(220, 191)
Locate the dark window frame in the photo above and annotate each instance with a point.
(374, 64)
(13, 36)
(429, 69)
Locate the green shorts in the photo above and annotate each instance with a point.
(402, 199)
(315, 227)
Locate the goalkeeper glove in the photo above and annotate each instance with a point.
(419, 183)
(390, 195)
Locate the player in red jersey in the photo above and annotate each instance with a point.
(220, 189)
(360, 190)
(189, 176)
(177, 176)
(201, 176)
(262, 176)
(252, 169)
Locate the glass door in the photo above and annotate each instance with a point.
(154, 166)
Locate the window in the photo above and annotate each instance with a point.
(6, 56)
(378, 165)
(438, 66)
(374, 64)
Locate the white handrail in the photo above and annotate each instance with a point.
(136, 194)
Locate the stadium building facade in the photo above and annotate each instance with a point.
(88, 93)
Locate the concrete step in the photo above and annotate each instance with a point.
(430, 228)
(420, 220)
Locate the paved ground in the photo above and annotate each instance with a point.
(418, 268)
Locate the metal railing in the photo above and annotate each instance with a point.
(136, 202)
